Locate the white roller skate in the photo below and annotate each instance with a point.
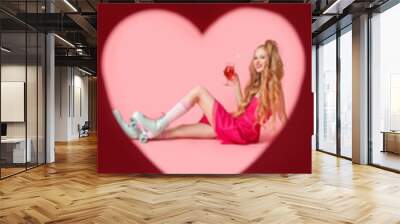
(149, 128)
(130, 129)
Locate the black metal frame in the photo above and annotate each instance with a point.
(338, 98)
(37, 92)
(45, 91)
(0, 91)
(26, 89)
(316, 98)
(369, 114)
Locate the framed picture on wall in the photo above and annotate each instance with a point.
(12, 101)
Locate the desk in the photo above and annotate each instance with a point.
(391, 141)
(15, 148)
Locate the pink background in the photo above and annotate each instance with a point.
(152, 58)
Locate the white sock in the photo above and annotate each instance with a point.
(176, 111)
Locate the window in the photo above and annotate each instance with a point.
(346, 95)
(327, 95)
(385, 89)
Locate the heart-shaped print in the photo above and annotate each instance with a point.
(152, 58)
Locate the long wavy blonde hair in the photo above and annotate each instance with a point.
(268, 84)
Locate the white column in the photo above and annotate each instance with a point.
(360, 90)
(50, 92)
(50, 100)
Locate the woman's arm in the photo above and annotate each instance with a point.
(235, 82)
(282, 114)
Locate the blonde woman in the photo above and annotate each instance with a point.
(263, 99)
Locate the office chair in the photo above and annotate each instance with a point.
(84, 130)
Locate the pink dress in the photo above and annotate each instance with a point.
(243, 129)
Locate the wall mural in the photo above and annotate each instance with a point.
(204, 88)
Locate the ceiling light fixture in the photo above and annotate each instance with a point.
(84, 71)
(5, 50)
(70, 5)
(65, 41)
(337, 7)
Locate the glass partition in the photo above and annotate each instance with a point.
(31, 100)
(14, 153)
(22, 63)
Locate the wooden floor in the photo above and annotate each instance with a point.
(10, 171)
(70, 191)
(387, 159)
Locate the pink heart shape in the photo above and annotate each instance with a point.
(153, 57)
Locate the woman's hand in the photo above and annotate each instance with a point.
(234, 81)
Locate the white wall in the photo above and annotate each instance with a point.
(71, 94)
(314, 90)
(80, 84)
(33, 127)
(62, 81)
(16, 73)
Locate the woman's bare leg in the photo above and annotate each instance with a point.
(199, 95)
(203, 131)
